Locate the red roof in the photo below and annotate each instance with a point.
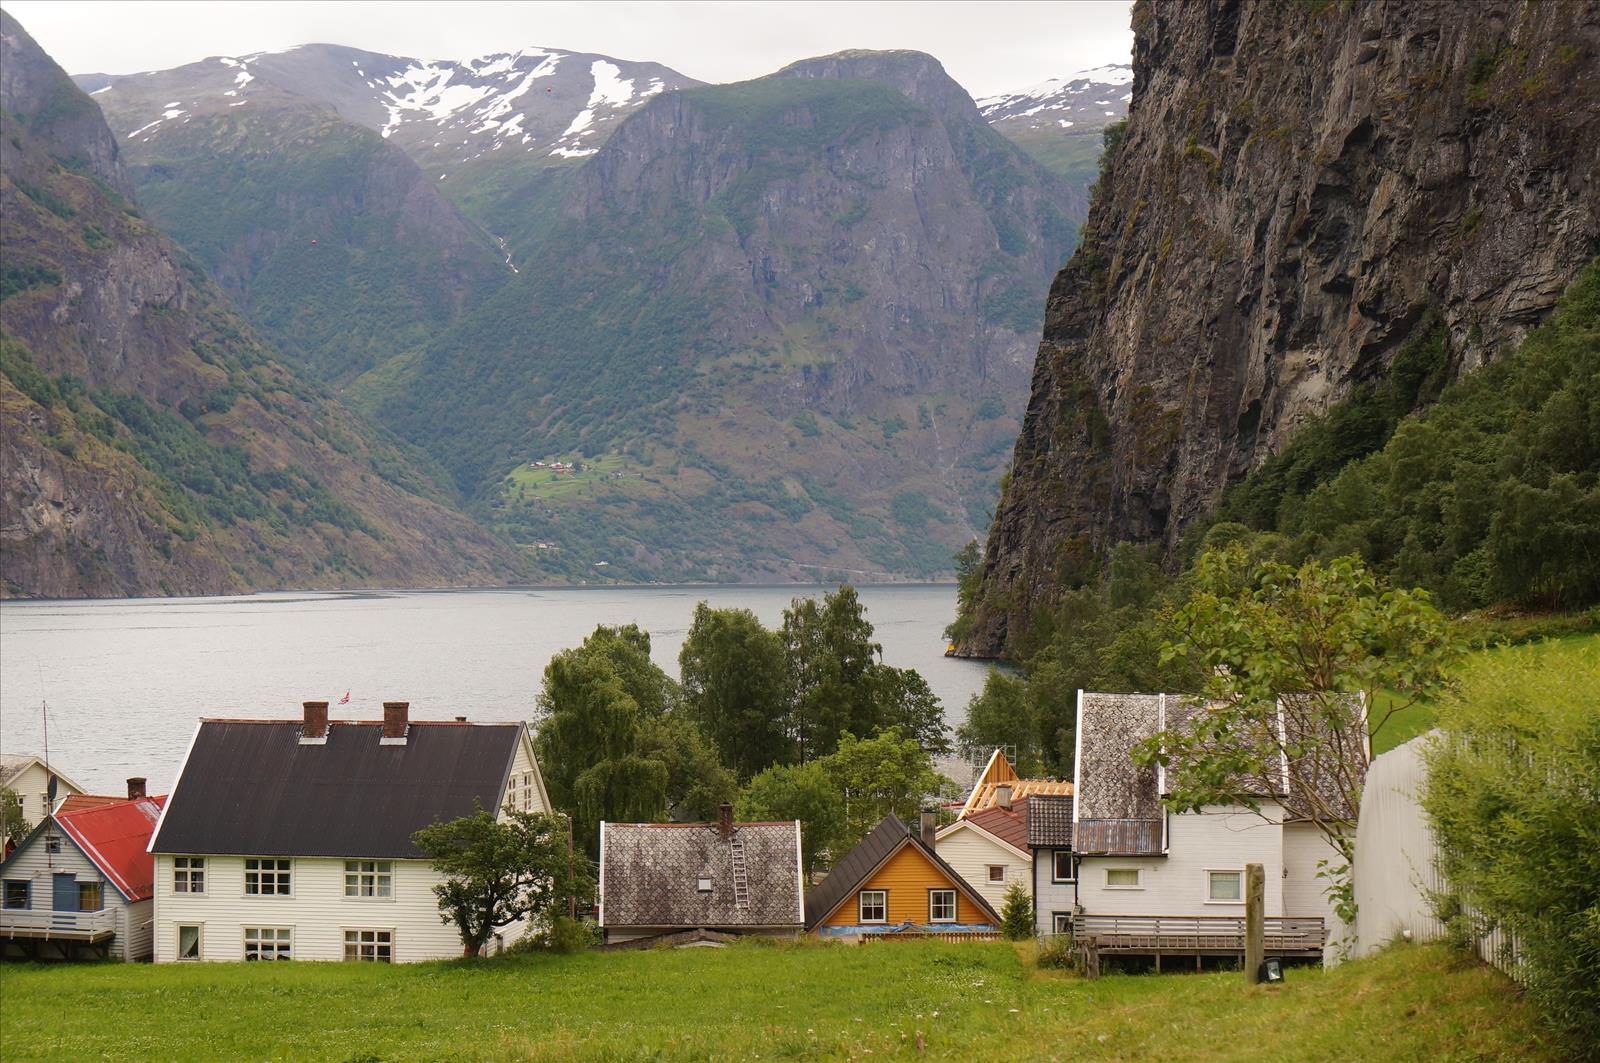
(79, 802)
(115, 837)
(1008, 824)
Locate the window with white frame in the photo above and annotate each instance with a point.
(941, 906)
(1061, 865)
(1061, 922)
(997, 872)
(268, 943)
(874, 906)
(266, 877)
(188, 942)
(368, 878)
(527, 791)
(369, 946)
(188, 874)
(1225, 887)
(1123, 878)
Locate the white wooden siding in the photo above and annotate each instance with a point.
(972, 854)
(38, 867)
(1223, 838)
(136, 930)
(318, 911)
(1049, 897)
(32, 785)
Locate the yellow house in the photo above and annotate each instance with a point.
(894, 883)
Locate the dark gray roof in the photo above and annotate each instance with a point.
(651, 871)
(1108, 784)
(859, 863)
(1050, 822)
(249, 788)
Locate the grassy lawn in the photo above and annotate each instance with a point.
(546, 484)
(1564, 652)
(756, 1001)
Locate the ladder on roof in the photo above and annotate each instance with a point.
(741, 876)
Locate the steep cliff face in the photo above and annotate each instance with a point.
(1300, 190)
(152, 444)
(791, 317)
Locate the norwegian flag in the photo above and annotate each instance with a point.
(346, 699)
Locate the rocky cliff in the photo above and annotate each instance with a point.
(1299, 191)
(153, 445)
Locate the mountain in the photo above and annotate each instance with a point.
(1060, 121)
(779, 322)
(154, 444)
(1304, 215)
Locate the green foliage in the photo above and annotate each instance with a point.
(1016, 913)
(913, 510)
(46, 198)
(798, 791)
(999, 716)
(1318, 643)
(1057, 953)
(13, 827)
(565, 935)
(697, 782)
(500, 871)
(16, 277)
(969, 574)
(734, 686)
(1511, 797)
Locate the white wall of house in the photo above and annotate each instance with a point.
(317, 912)
(1303, 892)
(32, 784)
(1222, 838)
(972, 853)
(34, 864)
(1050, 897)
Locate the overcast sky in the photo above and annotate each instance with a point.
(989, 47)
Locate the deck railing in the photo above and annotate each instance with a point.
(45, 923)
(1176, 933)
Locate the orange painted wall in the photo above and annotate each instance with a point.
(908, 876)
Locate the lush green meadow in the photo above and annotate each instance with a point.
(755, 1001)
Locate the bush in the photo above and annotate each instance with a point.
(1016, 914)
(1512, 799)
(563, 935)
(1057, 953)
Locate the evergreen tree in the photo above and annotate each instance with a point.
(1016, 913)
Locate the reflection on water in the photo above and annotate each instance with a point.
(127, 680)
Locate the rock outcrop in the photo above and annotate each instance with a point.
(1299, 188)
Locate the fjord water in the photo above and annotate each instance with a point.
(127, 679)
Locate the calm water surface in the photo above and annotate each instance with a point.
(126, 680)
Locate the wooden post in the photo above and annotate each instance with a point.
(1255, 886)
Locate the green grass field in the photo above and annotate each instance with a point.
(966, 1001)
(546, 484)
(1563, 652)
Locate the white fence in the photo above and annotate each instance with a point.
(1396, 860)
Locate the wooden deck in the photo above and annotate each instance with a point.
(1188, 936)
(44, 934)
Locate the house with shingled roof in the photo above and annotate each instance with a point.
(895, 883)
(990, 849)
(1054, 869)
(291, 839)
(700, 879)
(81, 881)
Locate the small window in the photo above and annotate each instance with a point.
(1122, 878)
(188, 942)
(1061, 866)
(941, 906)
(266, 878)
(369, 946)
(702, 885)
(189, 874)
(1225, 887)
(18, 893)
(1061, 922)
(874, 906)
(368, 878)
(52, 843)
(997, 872)
(89, 896)
(268, 943)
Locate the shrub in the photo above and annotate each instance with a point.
(566, 935)
(1057, 953)
(1016, 914)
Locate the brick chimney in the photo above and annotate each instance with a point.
(1002, 795)
(725, 820)
(135, 787)
(314, 728)
(930, 827)
(396, 721)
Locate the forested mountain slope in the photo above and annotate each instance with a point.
(152, 444)
(1307, 201)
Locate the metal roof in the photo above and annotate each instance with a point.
(882, 842)
(651, 872)
(250, 788)
(1118, 837)
(115, 836)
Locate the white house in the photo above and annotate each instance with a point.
(291, 839)
(1134, 858)
(29, 776)
(1054, 872)
(989, 848)
(81, 881)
